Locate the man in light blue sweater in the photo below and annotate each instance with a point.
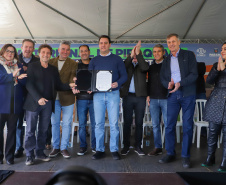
(110, 100)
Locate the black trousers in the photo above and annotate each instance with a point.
(137, 104)
(11, 122)
(20, 132)
(49, 134)
(214, 132)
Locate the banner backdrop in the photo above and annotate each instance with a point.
(207, 53)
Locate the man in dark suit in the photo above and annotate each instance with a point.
(178, 74)
(26, 57)
(134, 93)
(42, 84)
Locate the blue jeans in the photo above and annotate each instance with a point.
(20, 132)
(175, 102)
(83, 106)
(67, 113)
(109, 100)
(157, 108)
(33, 140)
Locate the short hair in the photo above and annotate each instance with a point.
(173, 35)
(223, 44)
(4, 48)
(28, 40)
(159, 46)
(84, 46)
(45, 46)
(105, 36)
(66, 43)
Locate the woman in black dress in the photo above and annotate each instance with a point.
(215, 110)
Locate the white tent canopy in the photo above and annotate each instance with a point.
(121, 19)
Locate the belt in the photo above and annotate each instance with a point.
(132, 94)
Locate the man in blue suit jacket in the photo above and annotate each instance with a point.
(178, 74)
(26, 57)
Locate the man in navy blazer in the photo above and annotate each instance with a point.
(26, 57)
(178, 74)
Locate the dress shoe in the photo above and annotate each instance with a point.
(18, 154)
(115, 155)
(210, 161)
(155, 152)
(167, 159)
(186, 162)
(65, 154)
(54, 153)
(98, 155)
(10, 162)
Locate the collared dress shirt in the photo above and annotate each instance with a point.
(175, 68)
(27, 60)
(132, 85)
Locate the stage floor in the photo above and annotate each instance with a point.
(132, 163)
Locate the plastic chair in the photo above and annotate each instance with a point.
(146, 123)
(178, 125)
(121, 122)
(198, 122)
(74, 124)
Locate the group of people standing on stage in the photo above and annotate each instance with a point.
(45, 88)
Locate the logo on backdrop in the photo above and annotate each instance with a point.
(215, 50)
(201, 52)
(215, 54)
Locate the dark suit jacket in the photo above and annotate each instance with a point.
(67, 73)
(10, 93)
(35, 86)
(139, 72)
(188, 71)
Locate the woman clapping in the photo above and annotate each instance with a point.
(12, 80)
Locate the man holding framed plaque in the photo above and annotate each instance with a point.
(107, 61)
(84, 100)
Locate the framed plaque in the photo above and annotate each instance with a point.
(94, 80)
(84, 78)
